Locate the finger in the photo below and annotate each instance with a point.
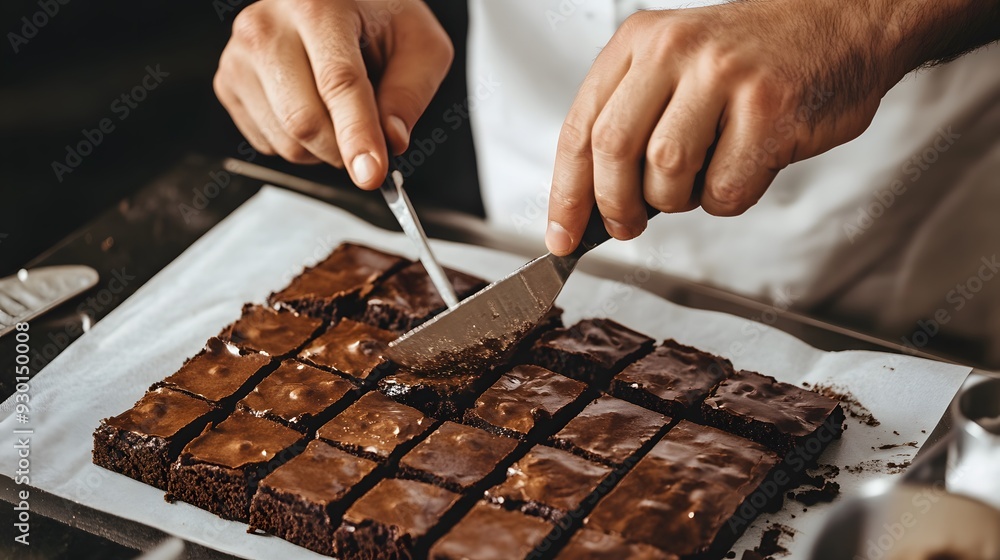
(572, 195)
(252, 98)
(678, 145)
(620, 136)
(415, 69)
(288, 85)
(331, 39)
(247, 127)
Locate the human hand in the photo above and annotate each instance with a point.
(295, 79)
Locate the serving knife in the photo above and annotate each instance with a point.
(31, 293)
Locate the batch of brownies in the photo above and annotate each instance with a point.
(592, 441)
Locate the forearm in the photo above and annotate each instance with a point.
(928, 32)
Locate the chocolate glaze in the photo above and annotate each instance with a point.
(792, 410)
(408, 297)
(594, 545)
(217, 372)
(161, 413)
(352, 348)
(295, 393)
(550, 478)
(263, 329)
(601, 341)
(375, 425)
(239, 441)
(680, 496)
(524, 396)
(409, 507)
(322, 475)
(611, 430)
(676, 373)
(457, 456)
(350, 271)
(488, 531)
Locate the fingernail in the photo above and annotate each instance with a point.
(558, 239)
(399, 129)
(364, 167)
(617, 229)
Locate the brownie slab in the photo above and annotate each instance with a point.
(674, 379)
(488, 532)
(594, 545)
(143, 441)
(336, 286)
(220, 373)
(408, 297)
(303, 499)
(610, 430)
(778, 415)
(375, 427)
(297, 395)
(395, 519)
(681, 496)
(220, 469)
(525, 398)
(444, 397)
(548, 483)
(353, 349)
(274, 332)
(456, 457)
(591, 351)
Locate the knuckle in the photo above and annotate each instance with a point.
(612, 141)
(294, 152)
(574, 139)
(252, 27)
(726, 197)
(302, 124)
(567, 201)
(666, 156)
(337, 78)
(612, 207)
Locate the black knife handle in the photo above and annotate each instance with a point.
(596, 233)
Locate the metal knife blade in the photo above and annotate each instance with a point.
(399, 203)
(30, 293)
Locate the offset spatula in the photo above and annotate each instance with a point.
(486, 326)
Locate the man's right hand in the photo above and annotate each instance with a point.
(295, 79)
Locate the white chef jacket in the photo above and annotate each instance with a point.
(885, 228)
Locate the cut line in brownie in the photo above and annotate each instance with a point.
(298, 396)
(523, 399)
(779, 415)
(594, 545)
(220, 373)
(355, 350)
(277, 333)
(610, 431)
(408, 297)
(682, 496)
(549, 483)
(674, 379)
(376, 427)
(337, 286)
(219, 470)
(302, 500)
(592, 350)
(396, 519)
(457, 457)
(489, 532)
(143, 441)
(444, 397)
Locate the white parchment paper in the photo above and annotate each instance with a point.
(262, 245)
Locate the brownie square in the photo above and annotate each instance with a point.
(548, 482)
(408, 297)
(220, 373)
(143, 441)
(592, 350)
(456, 457)
(353, 349)
(524, 398)
(594, 545)
(303, 499)
(219, 470)
(611, 430)
(375, 427)
(297, 395)
(681, 496)
(444, 397)
(674, 379)
(488, 532)
(395, 519)
(778, 415)
(274, 332)
(336, 286)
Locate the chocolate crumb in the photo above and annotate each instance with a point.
(895, 432)
(827, 493)
(850, 404)
(895, 445)
(731, 554)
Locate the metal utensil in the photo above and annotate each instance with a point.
(486, 326)
(30, 293)
(399, 203)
